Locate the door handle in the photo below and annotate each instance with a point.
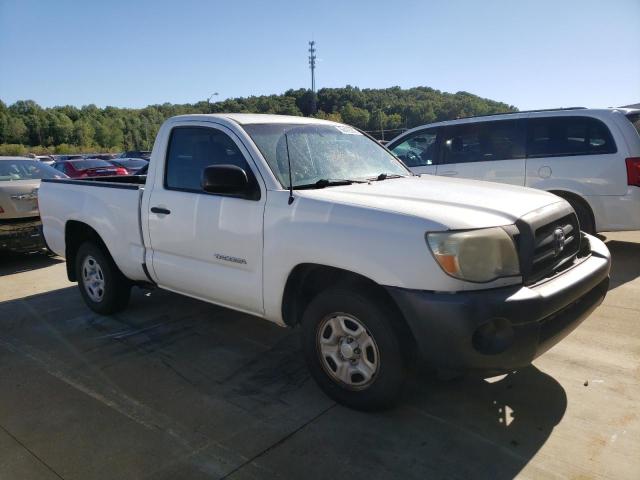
(450, 173)
(160, 210)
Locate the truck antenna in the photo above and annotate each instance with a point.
(291, 198)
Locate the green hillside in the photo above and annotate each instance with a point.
(27, 127)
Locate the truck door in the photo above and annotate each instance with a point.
(492, 151)
(207, 245)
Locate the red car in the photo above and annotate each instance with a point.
(89, 168)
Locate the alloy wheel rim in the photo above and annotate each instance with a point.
(347, 350)
(93, 279)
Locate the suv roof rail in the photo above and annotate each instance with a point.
(524, 111)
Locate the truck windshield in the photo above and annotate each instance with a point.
(321, 154)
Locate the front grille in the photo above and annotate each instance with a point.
(547, 242)
(547, 255)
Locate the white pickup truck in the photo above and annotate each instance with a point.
(308, 222)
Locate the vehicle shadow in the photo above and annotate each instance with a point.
(625, 262)
(11, 263)
(221, 377)
(485, 428)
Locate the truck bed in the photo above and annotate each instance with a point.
(113, 211)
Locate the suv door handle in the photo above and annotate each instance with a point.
(160, 210)
(449, 173)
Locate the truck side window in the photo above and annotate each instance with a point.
(484, 141)
(418, 149)
(192, 149)
(566, 136)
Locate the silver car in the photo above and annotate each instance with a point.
(20, 226)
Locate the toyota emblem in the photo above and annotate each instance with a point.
(558, 241)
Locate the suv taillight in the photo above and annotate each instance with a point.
(633, 171)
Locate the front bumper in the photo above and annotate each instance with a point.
(21, 235)
(502, 329)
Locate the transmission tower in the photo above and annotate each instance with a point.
(312, 66)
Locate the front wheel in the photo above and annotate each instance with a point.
(352, 349)
(102, 286)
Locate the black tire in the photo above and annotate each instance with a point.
(116, 288)
(584, 215)
(385, 385)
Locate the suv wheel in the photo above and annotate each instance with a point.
(352, 350)
(102, 286)
(584, 216)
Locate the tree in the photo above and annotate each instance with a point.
(16, 131)
(60, 128)
(4, 124)
(70, 128)
(82, 133)
(358, 117)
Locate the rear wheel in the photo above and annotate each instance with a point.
(352, 349)
(102, 286)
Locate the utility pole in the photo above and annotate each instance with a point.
(382, 113)
(312, 66)
(215, 94)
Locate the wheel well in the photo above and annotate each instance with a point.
(75, 234)
(308, 280)
(574, 198)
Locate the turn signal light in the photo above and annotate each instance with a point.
(633, 171)
(1, 210)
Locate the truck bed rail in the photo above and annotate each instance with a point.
(129, 182)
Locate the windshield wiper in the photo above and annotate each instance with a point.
(384, 176)
(326, 182)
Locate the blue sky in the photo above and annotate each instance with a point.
(535, 54)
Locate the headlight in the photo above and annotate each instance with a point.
(475, 255)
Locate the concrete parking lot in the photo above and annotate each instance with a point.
(176, 388)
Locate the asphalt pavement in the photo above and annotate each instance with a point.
(177, 388)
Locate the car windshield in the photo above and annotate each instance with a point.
(132, 162)
(322, 152)
(26, 170)
(137, 154)
(87, 164)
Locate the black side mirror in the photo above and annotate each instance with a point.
(224, 179)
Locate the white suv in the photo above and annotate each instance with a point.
(589, 157)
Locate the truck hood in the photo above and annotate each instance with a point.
(450, 203)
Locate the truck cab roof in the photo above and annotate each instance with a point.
(252, 118)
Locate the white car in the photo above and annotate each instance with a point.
(307, 222)
(589, 157)
(46, 159)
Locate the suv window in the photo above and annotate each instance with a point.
(484, 141)
(634, 118)
(565, 136)
(418, 149)
(192, 149)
